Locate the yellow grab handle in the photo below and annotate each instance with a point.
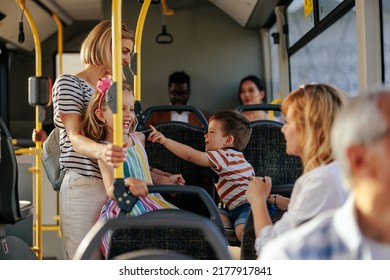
(38, 126)
(137, 48)
(117, 76)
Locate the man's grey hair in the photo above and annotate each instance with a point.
(359, 122)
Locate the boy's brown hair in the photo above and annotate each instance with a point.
(235, 124)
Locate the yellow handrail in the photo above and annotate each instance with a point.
(271, 114)
(60, 44)
(60, 41)
(38, 126)
(117, 77)
(166, 10)
(137, 48)
(26, 151)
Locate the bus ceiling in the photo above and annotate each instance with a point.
(251, 14)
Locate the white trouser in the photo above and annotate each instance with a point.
(81, 199)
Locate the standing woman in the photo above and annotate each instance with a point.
(82, 190)
(252, 91)
(309, 111)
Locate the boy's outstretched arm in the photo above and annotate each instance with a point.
(181, 150)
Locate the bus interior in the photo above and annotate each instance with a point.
(217, 42)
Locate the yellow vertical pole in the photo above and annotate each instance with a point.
(60, 44)
(38, 126)
(117, 77)
(137, 48)
(60, 41)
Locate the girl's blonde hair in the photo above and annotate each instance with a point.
(91, 126)
(96, 47)
(314, 107)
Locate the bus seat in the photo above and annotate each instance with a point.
(248, 251)
(195, 175)
(121, 242)
(11, 209)
(170, 229)
(266, 151)
(204, 201)
(153, 254)
(175, 230)
(273, 109)
(145, 116)
(193, 192)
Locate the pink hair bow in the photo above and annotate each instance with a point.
(102, 87)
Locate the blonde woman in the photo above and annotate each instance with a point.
(309, 111)
(82, 190)
(360, 229)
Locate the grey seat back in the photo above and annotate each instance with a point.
(13, 248)
(266, 151)
(10, 212)
(174, 230)
(161, 158)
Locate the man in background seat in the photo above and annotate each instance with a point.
(179, 86)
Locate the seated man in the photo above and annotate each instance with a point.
(360, 229)
(179, 86)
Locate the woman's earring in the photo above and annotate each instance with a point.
(102, 123)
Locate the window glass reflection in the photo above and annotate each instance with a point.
(326, 6)
(331, 57)
(298, 23)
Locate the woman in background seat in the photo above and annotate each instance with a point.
(252, 91)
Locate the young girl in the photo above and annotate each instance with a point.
(98, 125)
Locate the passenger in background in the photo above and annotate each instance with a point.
(227, 136)
(98, 125)
(252, 91)
(82, 192)
(360, 229)
(309, 112)
(179, 87)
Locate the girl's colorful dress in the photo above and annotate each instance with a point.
(135, 166)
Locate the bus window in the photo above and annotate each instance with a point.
(331, 57)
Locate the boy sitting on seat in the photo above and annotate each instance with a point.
(228, 134)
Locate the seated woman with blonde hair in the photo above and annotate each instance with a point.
(309, 111)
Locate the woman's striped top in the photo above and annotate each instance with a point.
(71, 95)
